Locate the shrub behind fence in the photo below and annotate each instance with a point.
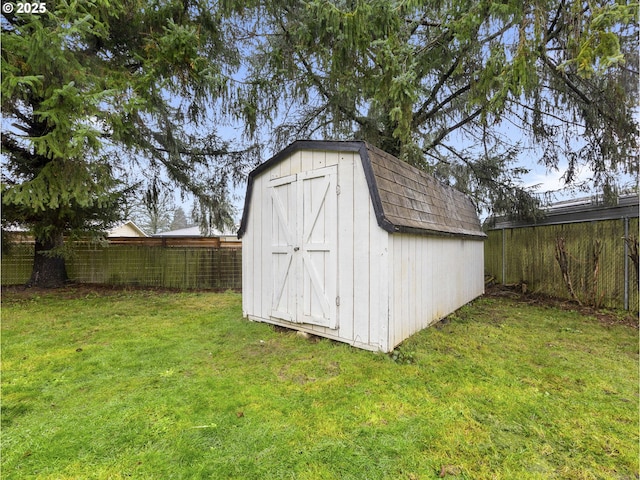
(597, 266)
(139, 265)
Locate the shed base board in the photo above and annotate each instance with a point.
(301, 327)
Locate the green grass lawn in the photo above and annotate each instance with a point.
(152, 385)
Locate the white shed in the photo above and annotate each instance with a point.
(342, 240)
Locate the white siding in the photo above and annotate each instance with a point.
(431, 277)
(362, 315)
(362, 250)
(253, 246)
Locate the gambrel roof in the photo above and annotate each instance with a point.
(405, 199)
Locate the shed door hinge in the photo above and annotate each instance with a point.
(337, 189)
(337, 301)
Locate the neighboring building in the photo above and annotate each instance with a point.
(345, 241)
(127, 229)
(181, 232)
(575, 211)
(226, 237)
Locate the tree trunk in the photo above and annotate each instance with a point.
(49, 271)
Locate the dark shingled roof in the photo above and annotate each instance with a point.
(411, 199)
(405, 199)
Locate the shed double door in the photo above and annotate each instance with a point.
(304, 247)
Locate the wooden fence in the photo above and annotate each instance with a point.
(597, 260)
(138, 264)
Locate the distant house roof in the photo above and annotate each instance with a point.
(181, 232)
(192, 232)
(576, 210)
(405, 199)
(127, 229)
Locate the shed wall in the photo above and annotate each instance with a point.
(362, 278)
(431, 276)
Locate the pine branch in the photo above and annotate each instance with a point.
(317, 82)
(444, 133)
(419, 120)
(329, 96)
(552, 31)
(546, 113)
(599, 106)
(421, 115)
(558, 73)
(203, 152)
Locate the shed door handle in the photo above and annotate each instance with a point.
(295, 249)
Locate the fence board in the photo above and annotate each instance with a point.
(528, 255)
(129, 263)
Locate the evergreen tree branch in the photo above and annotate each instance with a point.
(447, 131)
(329, 96)
(422, 115)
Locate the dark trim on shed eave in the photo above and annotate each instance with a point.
(439, 233)
(374, 194)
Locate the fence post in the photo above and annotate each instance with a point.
(626, 263)
(504, 260)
